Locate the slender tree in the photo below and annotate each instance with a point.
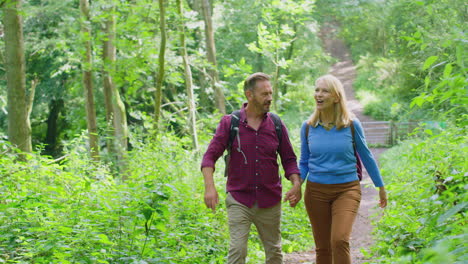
(115, 108)
(159, 78)
(188, 79)
(211, 56)
(87, 80)
(19, 102)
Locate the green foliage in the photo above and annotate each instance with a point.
(412, 53)
(76, 212)
(285, 31)
(425, 221)
(411, 60)
(280, 40)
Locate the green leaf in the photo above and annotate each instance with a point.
(429, 61)
(452, 211)
(104, 239)
(147, 213)
(427, 81)
(418, 100)
(448, 70)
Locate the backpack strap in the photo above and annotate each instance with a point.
(278, 126)
(307, 134)
(233, 128)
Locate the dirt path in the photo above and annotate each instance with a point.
(345, 70)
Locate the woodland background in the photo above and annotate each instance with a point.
(107, 106)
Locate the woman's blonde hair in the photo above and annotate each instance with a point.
(343, 116)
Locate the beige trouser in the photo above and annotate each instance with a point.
(267, 221)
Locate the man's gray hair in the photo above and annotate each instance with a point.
(251, 81)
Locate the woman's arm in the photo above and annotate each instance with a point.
(366, 155)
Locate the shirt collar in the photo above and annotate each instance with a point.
(317, 123)
(243, 116)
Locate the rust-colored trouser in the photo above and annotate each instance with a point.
(332, 209)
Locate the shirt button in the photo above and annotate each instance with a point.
(256, 173)
(256, 147)
(256, 160)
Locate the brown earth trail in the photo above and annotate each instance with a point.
(345, 70)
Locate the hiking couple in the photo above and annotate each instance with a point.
(329, 154)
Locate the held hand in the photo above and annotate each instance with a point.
(383, 197)
(211, 198)
(294, 195)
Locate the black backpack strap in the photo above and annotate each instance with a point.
(307, 134)
(235, 117)
(233, 130)
(278, 126)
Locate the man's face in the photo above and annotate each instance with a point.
(261, 96)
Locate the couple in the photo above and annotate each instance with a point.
(327, 164)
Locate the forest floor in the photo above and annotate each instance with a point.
(345, 70)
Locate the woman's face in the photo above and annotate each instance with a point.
(324, 97)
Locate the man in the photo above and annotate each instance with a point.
(253, 184)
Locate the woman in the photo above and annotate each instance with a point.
(328, 165)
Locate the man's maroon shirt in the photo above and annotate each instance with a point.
(253, 178)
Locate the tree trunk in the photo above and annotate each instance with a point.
(115, 108)
(19, 104)
(275, 87)
(55, 107)
(88, 82)
(289, 55)
(160, 75)
(188, 80)
(211, 56)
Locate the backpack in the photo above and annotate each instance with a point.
(234, 130)
(358, 159)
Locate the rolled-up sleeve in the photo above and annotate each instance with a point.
(218, 143)
(288, 158)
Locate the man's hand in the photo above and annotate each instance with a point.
(383, 197)
(211, 198)
(211, 195)
(295, 194)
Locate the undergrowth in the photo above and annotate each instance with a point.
(77, 212)
(425, 221)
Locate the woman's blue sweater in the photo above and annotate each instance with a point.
(329, 156)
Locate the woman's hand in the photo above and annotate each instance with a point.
(295, 194)
(383, 197)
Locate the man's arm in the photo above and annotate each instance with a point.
(214, 151)
(211, 195)
(289, 162)
(288, 158)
